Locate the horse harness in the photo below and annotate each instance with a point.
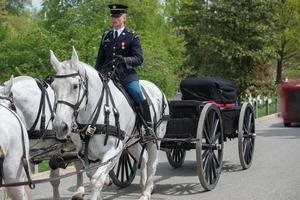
(86, 131)
(23, 159)
(42, 132)
(10, 99)
(32, 133)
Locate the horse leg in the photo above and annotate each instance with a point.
(55, 184)
(79, 193)
(14, 173)
(151, 169)
(136, 151)
(98, 178)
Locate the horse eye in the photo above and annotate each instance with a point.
(75, 87)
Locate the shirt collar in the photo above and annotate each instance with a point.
(120, 30)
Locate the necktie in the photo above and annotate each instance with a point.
(116, 35)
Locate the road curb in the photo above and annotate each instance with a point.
(267, 117)
(45, 174)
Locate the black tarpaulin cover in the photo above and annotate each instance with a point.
(208, 89)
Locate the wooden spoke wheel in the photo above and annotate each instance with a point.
(124, 171)
(209, 148)
(176, 157)
(246, 135)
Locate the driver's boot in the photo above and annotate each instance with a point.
(149, 132)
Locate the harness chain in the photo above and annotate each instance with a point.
(24, 158)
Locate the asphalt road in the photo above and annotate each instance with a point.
(274, 174)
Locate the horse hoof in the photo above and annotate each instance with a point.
(144, 198)
(77, 197)
(108, 181)
(153, 189)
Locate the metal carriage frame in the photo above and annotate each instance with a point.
(204, 127)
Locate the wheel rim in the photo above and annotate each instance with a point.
(209, 149)
(176, 157)
(124, 171)
(246, 135)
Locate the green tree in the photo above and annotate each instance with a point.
(288, 36)
(227, 38)
(62, 24)
(16, 7)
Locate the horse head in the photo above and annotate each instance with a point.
(70, 87)
(6, 97)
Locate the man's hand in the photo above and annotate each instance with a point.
(119, 59)
(126, 60)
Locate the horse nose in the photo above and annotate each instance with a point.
(64, 127)
(61, 128)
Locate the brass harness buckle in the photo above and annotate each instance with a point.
(90, 131)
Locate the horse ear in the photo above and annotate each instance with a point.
(54, 61)
(8, 85)
(74, 58)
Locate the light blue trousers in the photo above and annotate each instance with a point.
(133, 88)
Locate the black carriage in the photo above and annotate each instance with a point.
(208, 115)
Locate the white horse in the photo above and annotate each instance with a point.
(14, 145)
(78, 88)
(26, 98)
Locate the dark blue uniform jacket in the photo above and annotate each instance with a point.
(128, 45)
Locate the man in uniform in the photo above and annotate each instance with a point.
(122, 49)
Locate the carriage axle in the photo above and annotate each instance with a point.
(211, 146)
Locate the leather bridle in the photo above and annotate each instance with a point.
(10, 98)
(83, 84)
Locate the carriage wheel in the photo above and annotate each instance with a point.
(124, 171)
(246, 135)
(176, 157)
(209, 148)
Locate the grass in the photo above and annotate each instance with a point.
(263, 112)
(43, 166)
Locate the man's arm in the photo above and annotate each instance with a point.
(101, 54)
(137, 53)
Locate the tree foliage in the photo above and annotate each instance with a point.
(62, 24)
(227, 38)
(252, 42)
(287, 36)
